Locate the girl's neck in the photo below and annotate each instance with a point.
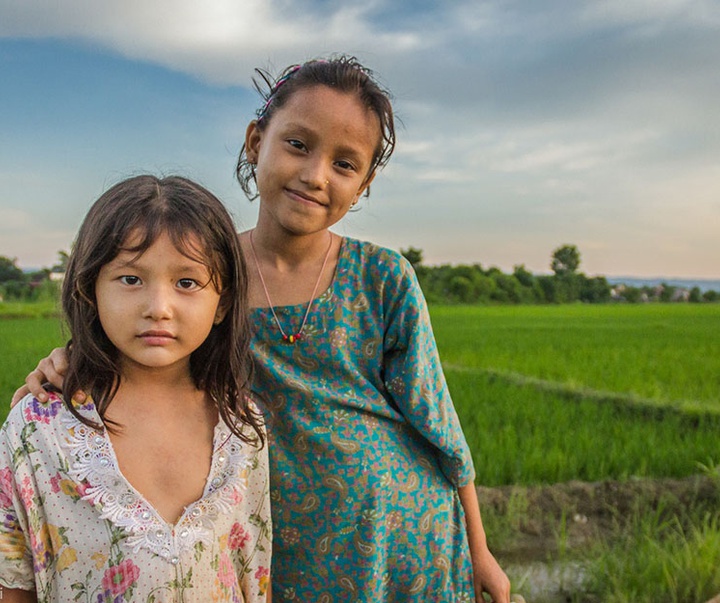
(287, 252)
(164, 386)
(289, 270)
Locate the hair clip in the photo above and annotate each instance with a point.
(275, 88)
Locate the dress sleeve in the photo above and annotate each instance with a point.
(256, 577)
(16, 564)
(413, 374)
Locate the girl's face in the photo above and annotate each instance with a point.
(313, 159)
(156, 308)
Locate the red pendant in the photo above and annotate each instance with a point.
(291, 339)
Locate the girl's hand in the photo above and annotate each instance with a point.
(491, 579)
(51, 369)
(488, 576)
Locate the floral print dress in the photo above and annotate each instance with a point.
(74, 529)
(366, 451)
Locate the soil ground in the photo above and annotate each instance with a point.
(535, 522)
(589, 510)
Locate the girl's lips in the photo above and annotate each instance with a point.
(153, 337)
(297, 195)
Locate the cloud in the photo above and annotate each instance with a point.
(562, 120)
(218, 41)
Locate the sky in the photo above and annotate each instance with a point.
(524, 125)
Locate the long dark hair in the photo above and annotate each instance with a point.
(150, 206)
(341, 73)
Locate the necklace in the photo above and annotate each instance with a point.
(291, 339)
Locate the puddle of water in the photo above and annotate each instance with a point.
(546, 582)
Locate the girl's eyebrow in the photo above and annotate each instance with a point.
(346, 149)
(132, 262)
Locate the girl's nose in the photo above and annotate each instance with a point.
(315, 174)
(158, 304)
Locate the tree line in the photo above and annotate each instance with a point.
(448, 284)
(473, 284)
(39, 285)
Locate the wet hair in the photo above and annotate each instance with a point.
(139, 210)
(341, 73)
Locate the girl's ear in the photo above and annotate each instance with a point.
(252, 141)
(222, 309)
(364, 186)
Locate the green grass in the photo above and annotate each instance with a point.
(521, 435)
(667, 353)
(46, 309)
(658, 558)
(23, 342)
(545, 394)
(549, 394)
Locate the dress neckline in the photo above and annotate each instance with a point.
(339, 267)
(95, 468)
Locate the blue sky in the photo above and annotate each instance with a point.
(525, 125)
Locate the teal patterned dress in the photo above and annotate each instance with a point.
(366, 451)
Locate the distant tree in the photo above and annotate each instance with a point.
(413, 255)
(61, 266)
(565, 260)
(667, 292)
(695, 295)
(594, 290)
(9, 270)
(523, 275)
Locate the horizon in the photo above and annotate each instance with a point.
(521, 127)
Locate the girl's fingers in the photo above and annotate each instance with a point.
(34, 384)
(19, 395)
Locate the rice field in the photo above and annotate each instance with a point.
(552, 393)
(545, 394)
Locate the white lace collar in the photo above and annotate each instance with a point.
(94, 465)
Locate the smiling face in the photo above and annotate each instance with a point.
(313, 159)
(156, 308)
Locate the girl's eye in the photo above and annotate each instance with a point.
(187, 283)
(345, 165)
(296, 144)
(130, 280)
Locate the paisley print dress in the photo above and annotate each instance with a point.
(366, 451)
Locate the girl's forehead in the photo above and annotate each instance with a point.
(320, 108)
(139, 241)
(323, 103)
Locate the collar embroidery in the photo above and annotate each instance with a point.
(93, 464)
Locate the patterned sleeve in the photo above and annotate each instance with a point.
(413, 373)
(16, 565)
(256, 577)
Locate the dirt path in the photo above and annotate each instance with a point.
(534, 523)
(587, 510)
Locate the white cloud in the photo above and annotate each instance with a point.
(219, 40)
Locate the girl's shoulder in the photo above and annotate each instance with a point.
(31, 411)
(367, 256)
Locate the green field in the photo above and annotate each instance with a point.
(552, 393)
(546, 393)
(23, 341)
(557, 393)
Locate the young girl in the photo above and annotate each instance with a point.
(371, 478)
(155, 488)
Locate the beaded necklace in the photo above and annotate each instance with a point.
(291, 339)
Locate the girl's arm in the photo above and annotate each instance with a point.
(15, 595)
(487, 574)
